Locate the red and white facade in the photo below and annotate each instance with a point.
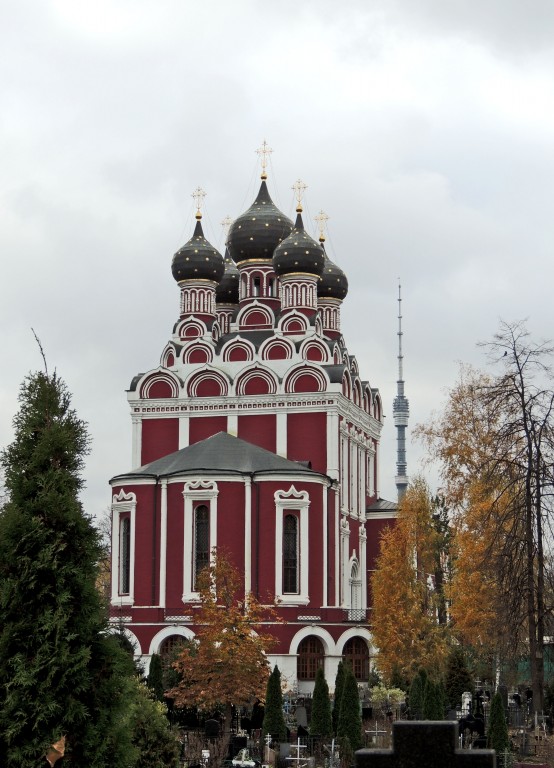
(268, 367)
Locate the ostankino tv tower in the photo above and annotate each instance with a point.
(401, 413)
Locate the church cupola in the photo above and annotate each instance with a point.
(299, 261)
(198, 267)
(253, 237)
(332, 287)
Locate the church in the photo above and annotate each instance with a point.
(256, 432)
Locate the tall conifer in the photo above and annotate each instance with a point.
(321, 723)
(274, 719)
(339, 686)
(350, 718)
(60, 672)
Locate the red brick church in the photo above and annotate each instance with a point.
(257, 432)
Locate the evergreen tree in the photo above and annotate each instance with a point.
(339, 686)
(458, 678)
(350, 718)
(321, 723)
(497, 730)
(416, 696)
(60, 671)
(155, 677)
(433, 701)
(274, 720)
(153, 741)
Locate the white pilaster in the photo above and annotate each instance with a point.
(333, 445)
(137, 441)
(183, 431)
(325, 522)
(281, 434)
(247, 535)
(233, 424)
(163, 540)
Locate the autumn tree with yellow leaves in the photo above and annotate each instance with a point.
(409, 614)
(226, 664)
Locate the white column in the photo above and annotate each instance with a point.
(233, 424)
(281, 434)
(163, 541)
(247, 535)
(333, 444)
(325, 522)
(183, 431)
(337, 548)
(363, 565)
(137, 441)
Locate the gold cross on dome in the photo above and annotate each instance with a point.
(198, 196)
(299, 187)
(322, 220)
(264, 152)
(226, 224)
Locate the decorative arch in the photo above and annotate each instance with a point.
(355, 632)
(256, 315)
(207, 383)
(161, 384)
(198, 353)
(131, 637)
(190, 328)
(293, 323)
(166, 632)
(354, 367)
(238, 350)
(377, 406)
(347, 384)
(337, 359)
(322, 634)
(169, 356)
(357, 394)
(367, 400)
(277, 349)
(314, 351)
(306, 379)
(256, 381)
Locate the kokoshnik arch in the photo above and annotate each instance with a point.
(255, 432)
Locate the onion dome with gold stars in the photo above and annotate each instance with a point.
(298, 252)
(198, 259)
(227, 291)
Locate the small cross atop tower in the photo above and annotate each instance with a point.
(226, 224)
(264, 152)
(198, 196)
(322, 220)
(299, 188)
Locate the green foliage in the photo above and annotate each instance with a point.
(339, 685)
(417, 695)
(433, 701)
(60, 671)
(497, 730)
(458, 678)
(154, 743)
(274, 720)
(321, 723)
(350, 718)
(397, 680)
(155, 677)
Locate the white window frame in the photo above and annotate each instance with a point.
(123, 503)
(205, 491)
(292, 501)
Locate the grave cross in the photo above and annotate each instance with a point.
(425, 744)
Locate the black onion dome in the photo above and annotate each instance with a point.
(227, 291)
(259, 230)
(298, 253)
(333, 281)
(197, 259)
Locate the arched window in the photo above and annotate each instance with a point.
(290, 555)
(201, 541)
(311, 655)
(124, 555)
(356, 653)
(169, 649)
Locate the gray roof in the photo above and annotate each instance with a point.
(220, 454)
(382, 505)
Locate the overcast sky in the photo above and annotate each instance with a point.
(423, 128)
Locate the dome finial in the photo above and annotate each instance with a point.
(226, 224)
(198, 196)
(322, 220)
(299, 187)
(264, 152)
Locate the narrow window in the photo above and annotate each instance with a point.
(124, 555)
(256, 286)
(201, 541)
(356, 653)
(272, 286)
(311, 656)
(290, 555)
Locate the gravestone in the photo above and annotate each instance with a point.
(425, 744)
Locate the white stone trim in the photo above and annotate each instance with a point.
(123, 503)
(136, 441)
(163, 541)
(325, 528)
(293, 500)
(196, 490)
(247, 535)
(281, 440)
(184, 424)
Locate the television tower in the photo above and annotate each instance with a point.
(400, 412)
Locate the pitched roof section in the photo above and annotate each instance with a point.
(219, 454)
